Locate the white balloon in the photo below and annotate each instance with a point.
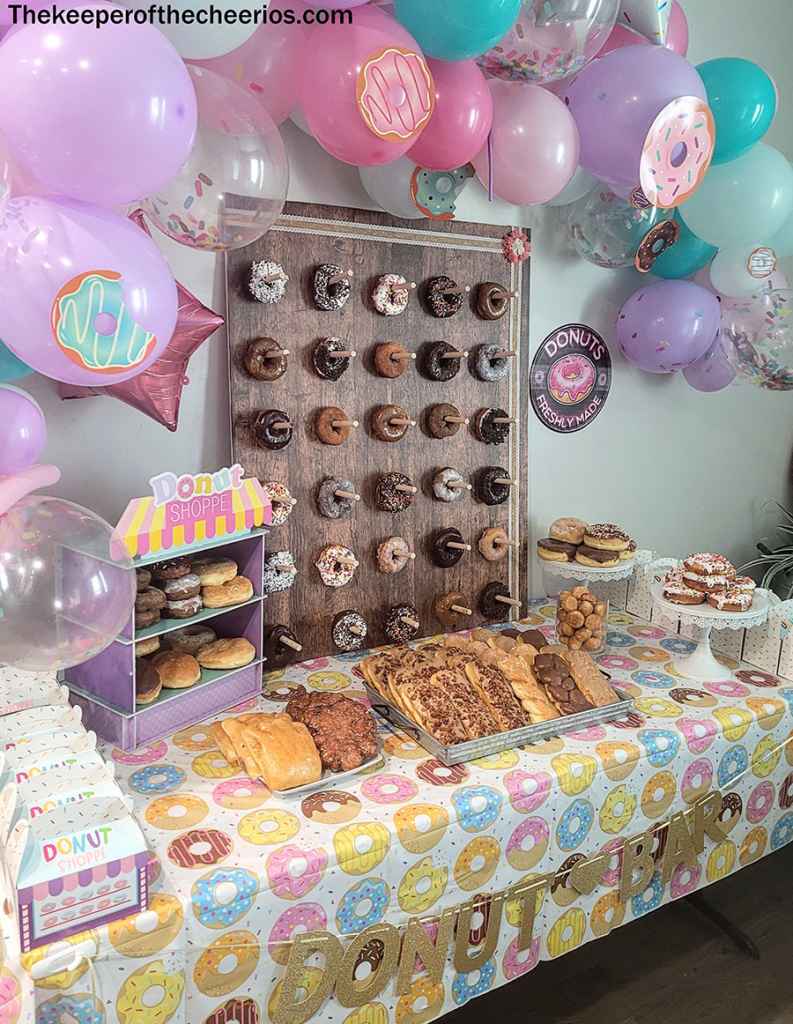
(730, 272)
(580, 185)
(203, 41)
(389, 186)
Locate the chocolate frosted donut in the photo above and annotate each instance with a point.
(266, 435)
(441, 554)
(388, 498)
(328, 504)
(442, 302)
(489, 607)
(487, 430)
(278, 654)
(258, 363)
(264, 290)
(487, 489)
(172, 569)
(391, 359)
(434, 367)
(382, 422)
(397, 631)
(324, 426)
(191, 639)
(329, 296)
(391, 295)
(147, 618)
(325, 364)
(493, 544)
(441, 488)
(444, 612)
(492, 300)
(487, 365)
(142, 579)
(438, 424)
(349, 631)
(655, 243)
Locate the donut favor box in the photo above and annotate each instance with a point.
(105, 687)
(78, 866)
(428, 394)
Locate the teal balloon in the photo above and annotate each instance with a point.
(11, 368)
(743, 99)
(688, 255)
(457, 29)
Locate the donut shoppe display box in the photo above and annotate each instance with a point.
(78, 866)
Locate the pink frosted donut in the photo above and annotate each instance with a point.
(727, 688)
(760, 802)
(618, 662)
(611, 875)
(305, 917)
(698, 733)
(517, 963)
(571, 379)
(591, 734)
(389, 789)
(143, 755)
(240, 794)
(293, 871)
(395, 94)
(520, 858)
(684, 880)
(697, 780)
(527, 790)
(677, 152)
(10, 997)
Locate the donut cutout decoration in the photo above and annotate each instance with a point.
(571, 379)
(395, 94)
(677, 152)
(655, 243)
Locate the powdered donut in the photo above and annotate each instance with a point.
(342, 631)
(487, 365)
(329, 296)
(281, 501)
(328, 504)
(335, 573)
(440, 485)
(393, 555)
(391, 295)
(442, 301)
(279, 572)
(571, 379)
(268, 292)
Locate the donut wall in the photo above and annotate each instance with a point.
(376, 457)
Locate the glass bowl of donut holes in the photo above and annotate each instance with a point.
(581, 620)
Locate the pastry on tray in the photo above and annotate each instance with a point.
(712, 578)
(273, 748)
(599, 545)
(343, 729)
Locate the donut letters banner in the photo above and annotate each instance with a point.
(570, 378)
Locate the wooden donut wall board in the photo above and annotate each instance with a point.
(372, 244)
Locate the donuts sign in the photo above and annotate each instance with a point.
(570, 378)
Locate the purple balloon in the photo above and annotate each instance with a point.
(107, 116)
(668, 325)
(615, 100)
(86, 297)
(23, 429)
(713, 372)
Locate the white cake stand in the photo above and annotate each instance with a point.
(589, 574)
(701, 664)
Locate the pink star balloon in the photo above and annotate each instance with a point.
(157, 391)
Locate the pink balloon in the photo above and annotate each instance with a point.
(103, 115)
(462, 120)
(269, 63)
(85, 296)
(534, 144)
(367, 91)
(15, 487)
(676, 39)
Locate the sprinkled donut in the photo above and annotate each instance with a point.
(483, 848)
(221, 897)
(421, 886)
(391, 295)
(363, 905)
(650, 899)
(393, 555)
(487, 364)
(655, 680)
(617, 810)
(346, 844)
(135, 936)
(677, 152)
(336, 565)
(731, 810)
(733, 763)
(492, 300)
(329, 505)
(262, 361)
(699, 733)
(441, 481)
(571, 379)
(327, 296)
(280, 499)
(527, 845)
(293, 871)
(157, 778)
(270, 827)
(694, 698)
(279, 572)
(395, 94)
(395, 628)
(326, 364)
(782, 833)
(786, 792)
(527, 790)
(305, 917)
(349, 631)
(607, 914)
(684, 880)
(240, 794)
(575, 772)
(436, 773)
(487, 430)
(757, 678)
(268, 432)
(442, 297)
(567, 933)
(735, 722)
(463, 989)
(80, 1007)
(477, 807)
(753, 846)
(655, 243)
(574, 825)
(131, 1004)
(268, 281)
(697, 780)
(434, 366)
(388, 498)
(722, 859)
(487, 488)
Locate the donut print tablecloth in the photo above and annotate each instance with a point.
(241, 870)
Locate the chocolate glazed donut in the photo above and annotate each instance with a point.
(279, 654)
(488, 491)
(489, 607)
(325, 364)
(434, 367)
(267, 435)
(441, 554)
(492, 300)
(258, 360)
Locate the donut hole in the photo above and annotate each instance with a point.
(225, 893)
(176, 811)
(105, 324)
(146, 922)
(228, 964)
(297, 867)
(153, 996)
(679, 154)
(199, 848)
(363, 844)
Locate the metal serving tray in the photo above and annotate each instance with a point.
(330, 780)
(473, 749)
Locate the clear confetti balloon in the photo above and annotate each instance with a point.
(758, 334)
(609, 232)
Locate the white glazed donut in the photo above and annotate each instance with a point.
(391, 295)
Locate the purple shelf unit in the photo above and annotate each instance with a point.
(104, 687)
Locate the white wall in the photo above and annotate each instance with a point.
(681, 470)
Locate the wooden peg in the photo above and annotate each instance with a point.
(399, 357)
(409, 622)
(357, 630)
(287, 641)
(506, 293)
(460, 610)
(347, 495)
(402, 288)
(455, 545)
(406, 488)
(505, 480)
(507, 600)
(340, 278)
(458, 289)
(412, 556)
(503, 419)
(275, 354)
(400, 421)
(286, 568)
(504, 353)
(336, 424)
(350, 354)
(456, 419)
(506, 544)
(344, 560)
(272, 278)
(454, 355)
(281, 425)
(459, 485)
